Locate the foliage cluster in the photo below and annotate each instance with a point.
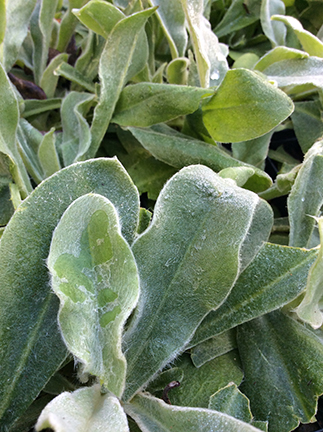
(156, 229)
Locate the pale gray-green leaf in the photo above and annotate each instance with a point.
(49, 79)
(47, 154)
(178, 258)
(146, 104)
(307, 122)
(85, 410)
(275, 31)
(179, 150)
(276, 276)
(154, 415)
(17, 15)
(95, 277)
(172, 19)
(274, 350)
(76, 131)
(31, 348)
(113, 71)
(278, 54)
(306, 197)
(73, 75)
(253, 152)
(213, 347)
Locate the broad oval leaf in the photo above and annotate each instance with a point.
(31, 347)
(274, 350)
(84, 410)
(150, 413)
(274, 31)
(277, 275)
(188, 260)
(244, 107)
(95, 277)
(146, 104)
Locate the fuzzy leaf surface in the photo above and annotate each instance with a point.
(277, 275)
(84, 410)
(95, 277)
(30, 343)
(184, 272)
(274, 352)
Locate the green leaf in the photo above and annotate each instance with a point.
(276, 276)
(198, 384)
(95, 277)
(115, 67)
(306, 197)
(47, 154)
(309, 309)
(3, 20)
(9, 115)
(253, 152)
(179, 150)
(76, 131)
(177, 71)
(239, 174)
(178, 258)
(99, 16)
(84, 410)
(68, 24)
(213, 347)
(34, 106)
(236, 17)
(274, 350)
(150, 413)
(245, 107)
(311, 44)
(274, 31)
(41, 26)
(31, 348)
(296, 71)
(17, 17)
(210, 55)
(49, 79)
(278, 54)
(172, 20)
(307, 122)
(73, 75)
(146, 104)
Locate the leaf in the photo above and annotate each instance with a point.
(177, 259)
(210, 55)
(17, 16)
(296, 71)
(275, 31)
(31, 348)
(245, 107)
(274, 350)
(76, 131)
(177, 71)
(150, 413)
(213, 348)
(179, 150)
(278, 54)
(99, 16)
(95, 277)
(253, 152)
(84, 410)
(306, 198)
(236, 18)
(307, 123)
(146, 104)
(49, 79)
(3, 20)
(72, 74)
(113, 71)
(172, 20)
(68, 24)
(9, 115)
(276, 276)
(198, 384)
(34, 106)
(47, 154)
(309, 308)
(310, 43)
(41, 25)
